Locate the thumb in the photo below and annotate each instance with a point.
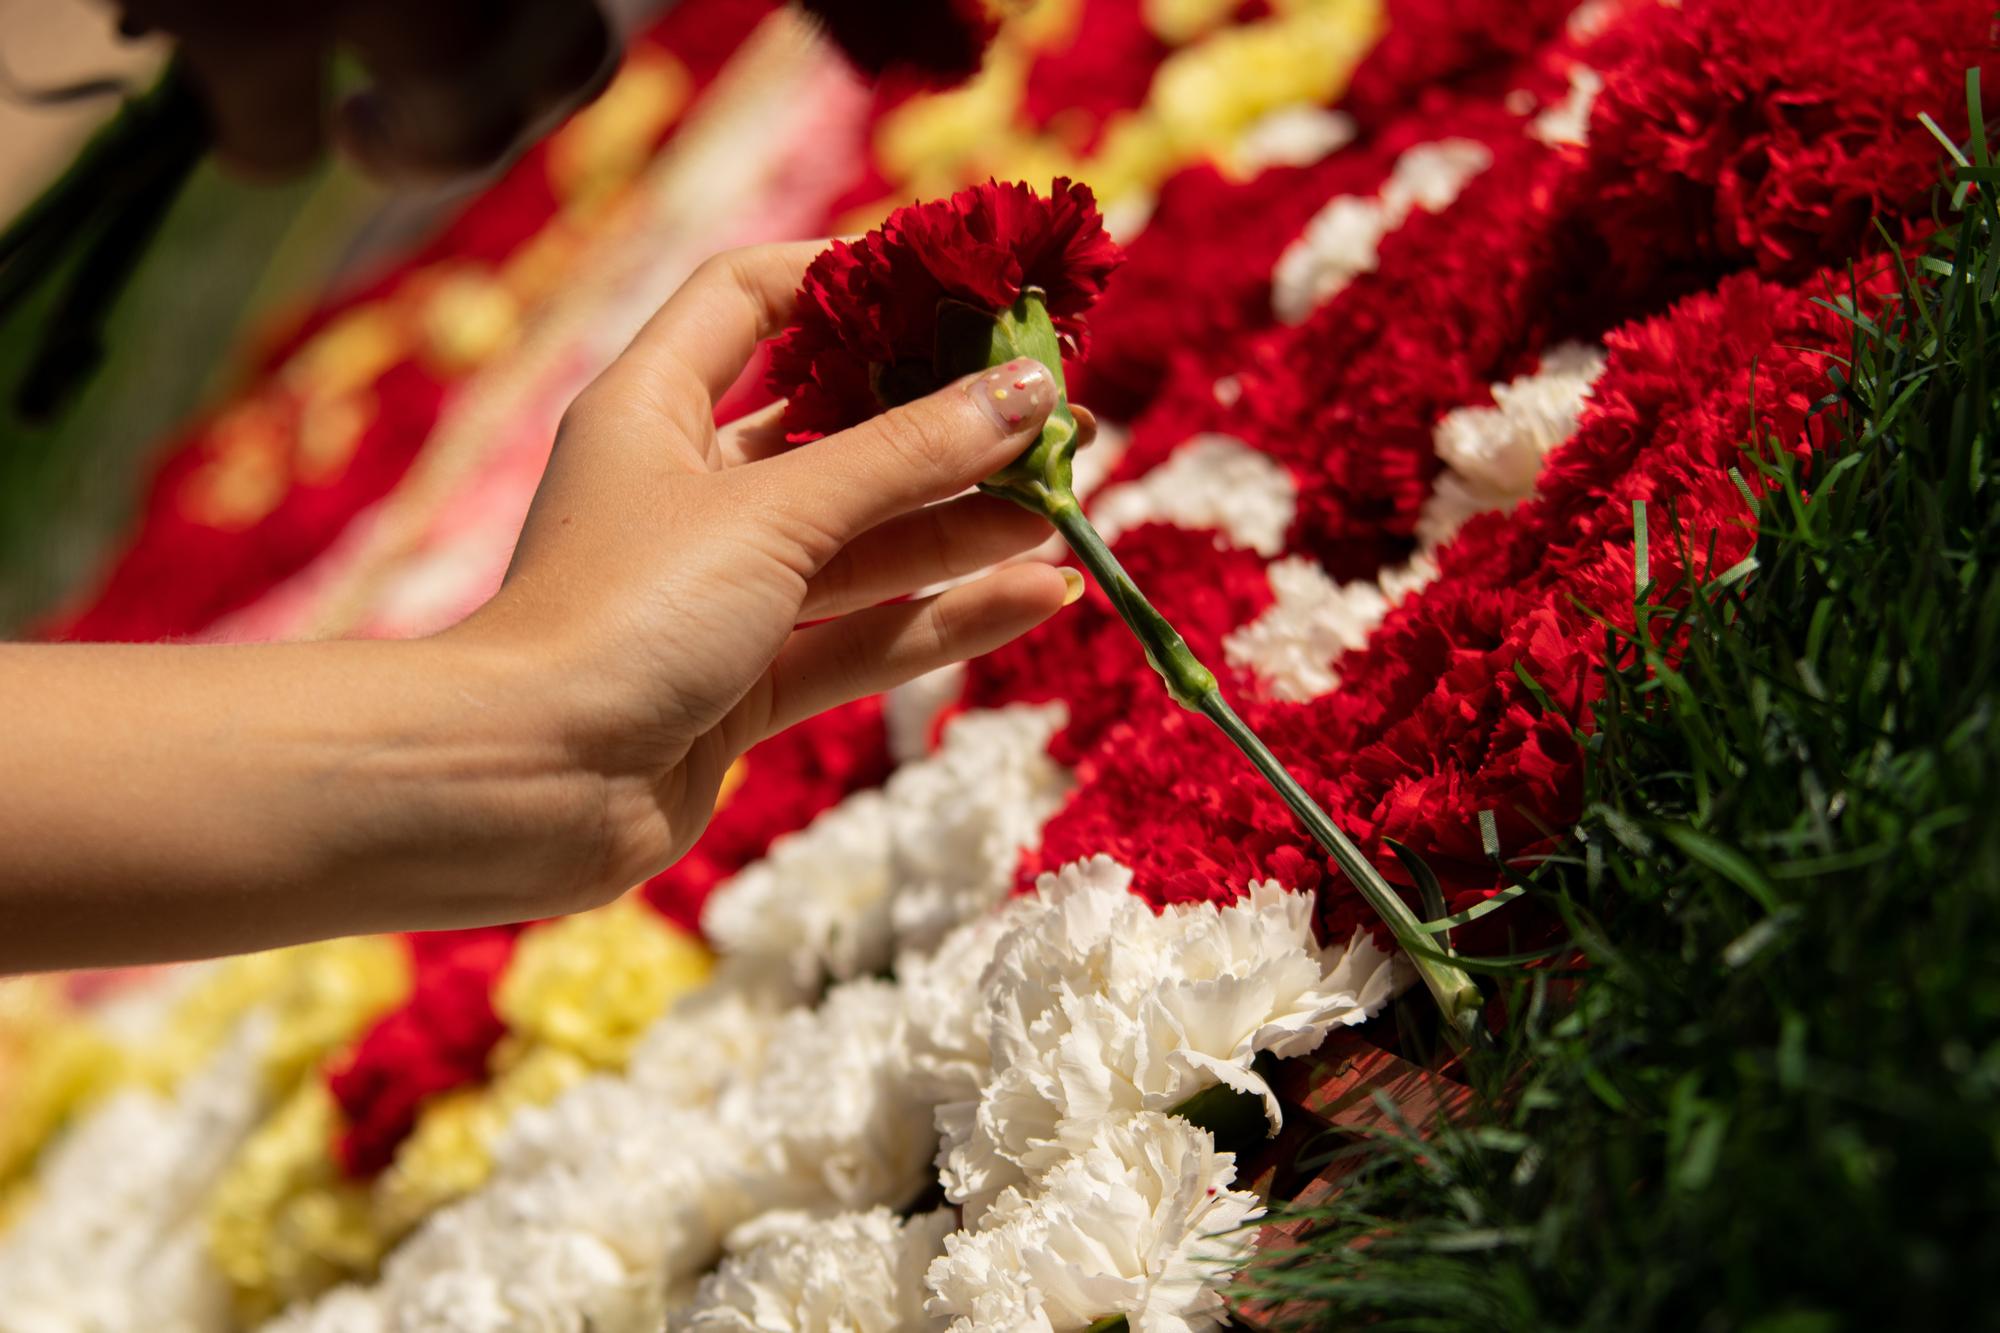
(830, 491)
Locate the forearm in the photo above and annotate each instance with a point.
(165, 802)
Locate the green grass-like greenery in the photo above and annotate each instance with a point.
(1769, 1097)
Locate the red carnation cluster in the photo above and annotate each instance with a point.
(868, 309)
(1431, 45)
(1768, 133)
(1351, 398)
(932, 41)
(438, 1040)
(1433, 723)
(1196, 283)
(1348, 400)
(1106, 66)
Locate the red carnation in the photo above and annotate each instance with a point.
(867, 323)
(938, 41)
(438, 1040)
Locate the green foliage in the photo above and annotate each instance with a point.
(1768, 1095)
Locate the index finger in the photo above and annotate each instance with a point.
(696, 345)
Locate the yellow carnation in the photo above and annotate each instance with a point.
(282, 1223)
(450, 1154)
(591, 983)
(1221, 81)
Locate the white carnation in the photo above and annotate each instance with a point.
(959, 821)
(946, 1012)
(1292, 136)
(833, 1115)
(1499, 449)
(1311, 622)
(1210, 481)
(816, 904)
(1343, 240)
(1568, 121)
(910, 711)
(936, 845)
(114, 1237)
(1141, 1222)
(856, 1272)
(1098, 1008)
(708, 1038)
(558, 1286)
(345, 1309)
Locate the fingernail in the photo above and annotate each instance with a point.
(1072, 585)
(1015, 396)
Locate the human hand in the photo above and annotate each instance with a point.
(567, 740)
(456, 84)
(652, 605)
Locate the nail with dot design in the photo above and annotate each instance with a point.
(1015, 396)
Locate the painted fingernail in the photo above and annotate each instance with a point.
(1072, 586)
(1016, 396)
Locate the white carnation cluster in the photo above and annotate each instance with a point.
(1141, 1222)
(608, 1204)
(798, 1273)
(114, 1238)
(1048, 1041)
(1209, 481)
(1343, 239)
(1094, 1008)
(938, 843)
(599, 1202)
(1052, 1039)
(1492, 456)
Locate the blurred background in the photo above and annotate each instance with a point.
(231, 263)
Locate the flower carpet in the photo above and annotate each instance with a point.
(1012, 999)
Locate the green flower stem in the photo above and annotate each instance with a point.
(1188, 681)
(1194, 687)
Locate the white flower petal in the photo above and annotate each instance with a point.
(1209, 481)
(1343, 239)
(855, 1272)
(1140, 1222)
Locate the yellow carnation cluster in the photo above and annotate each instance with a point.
(52, 1064)
(61, 1060)
(285, 1224)
(1216, 85)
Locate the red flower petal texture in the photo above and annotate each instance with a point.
(868, 309)
(1769, 133)
(1105, 67)
(938, 41)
